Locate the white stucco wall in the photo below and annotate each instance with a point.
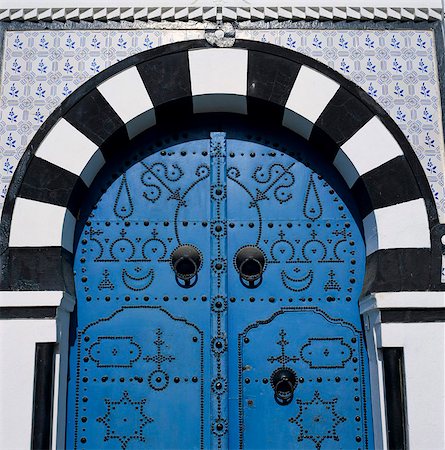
(424, 353)
(424, 362)
(18, 339)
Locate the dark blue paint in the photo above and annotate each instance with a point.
(157, 365)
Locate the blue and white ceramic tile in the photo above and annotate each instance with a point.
(40, 69)
(398, 69)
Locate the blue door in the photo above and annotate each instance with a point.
(217, 287)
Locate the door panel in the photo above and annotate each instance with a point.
(303, 316)
(158, 362)
(140, 359)
(325, 355)
(134, 361)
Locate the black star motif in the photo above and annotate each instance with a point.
(317, 420)
(125, 420)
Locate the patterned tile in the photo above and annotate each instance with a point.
(40, 69)
(398, 69)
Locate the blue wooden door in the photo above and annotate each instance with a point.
(217, 285)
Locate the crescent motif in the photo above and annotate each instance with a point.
(134, 283)
(297, 284)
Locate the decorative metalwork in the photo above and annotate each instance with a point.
(115, 351)
(214, 204)
(116, 420)
(283, 379)
(283, 359)
(326, 353)
(317, 420)
(158, 379)
(123, 270)
(327, 380)
(314, 256)
(312, 208)
(218, 290)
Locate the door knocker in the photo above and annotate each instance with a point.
(250, 263)
(284, 382)
(186, 262)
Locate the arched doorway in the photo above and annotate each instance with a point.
(217, 279)
(95, 125)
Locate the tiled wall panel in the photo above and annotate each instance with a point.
(397, 68)
(40, 69)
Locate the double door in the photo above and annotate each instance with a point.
(217, 284)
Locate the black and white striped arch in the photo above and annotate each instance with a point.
(254, 79)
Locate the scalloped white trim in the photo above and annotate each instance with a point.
(220, 13)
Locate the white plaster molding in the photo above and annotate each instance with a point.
(18, 339)
(372, 322)
(38, 224)
(127, 95)
(30, 298)
(61, 362)
(59, 403)
(219, 71)
(382, 300)
(310, 94)
(369, 148)
(17, 359)
(201, 11)
(25, 299)
(404, 225)
(424, 363)
(67, 147)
